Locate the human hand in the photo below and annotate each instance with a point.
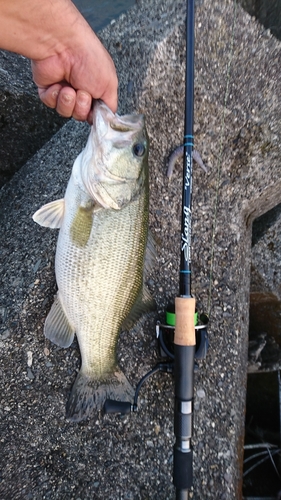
(69, 81)
(70, 65)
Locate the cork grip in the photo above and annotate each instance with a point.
(184, 329)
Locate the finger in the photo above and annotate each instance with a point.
(90, 117)
(111, 100)
(82, 106)
(49, 96)
(66, 101)
(110, 95)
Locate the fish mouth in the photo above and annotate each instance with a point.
(107, 124)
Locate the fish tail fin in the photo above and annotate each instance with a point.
(89, 394)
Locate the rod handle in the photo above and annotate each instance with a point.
(185, 329)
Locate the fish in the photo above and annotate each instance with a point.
(104, 252)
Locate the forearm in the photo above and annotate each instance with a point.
(70, 65)
(35, 28)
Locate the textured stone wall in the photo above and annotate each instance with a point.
(25, 123)
(238, 132)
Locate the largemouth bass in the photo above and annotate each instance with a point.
(100, 256)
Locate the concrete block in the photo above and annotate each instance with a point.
(238, 132)
(25, 123)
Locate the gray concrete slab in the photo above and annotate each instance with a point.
(237, 130)
(25, 123)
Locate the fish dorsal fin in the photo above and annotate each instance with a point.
(57, 327)
(51, 214)
(144, 304)
(150, 255)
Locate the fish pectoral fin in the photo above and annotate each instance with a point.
(57, 327)
(143, 305)
(50, 215)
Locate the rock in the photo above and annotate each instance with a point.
(25, 123)
(238, 132)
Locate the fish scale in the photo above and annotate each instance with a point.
(99, 310)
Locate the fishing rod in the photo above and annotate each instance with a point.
(184, 336)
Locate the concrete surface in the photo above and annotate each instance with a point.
(265, 296)
(25, 123)
(237, 130)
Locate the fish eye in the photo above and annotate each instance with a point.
(139, 149)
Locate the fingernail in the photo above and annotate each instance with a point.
(55, 94)
(83, 99)
(68, 99)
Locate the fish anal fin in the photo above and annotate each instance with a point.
(143, 305)
(50, 215)
(57, 327)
